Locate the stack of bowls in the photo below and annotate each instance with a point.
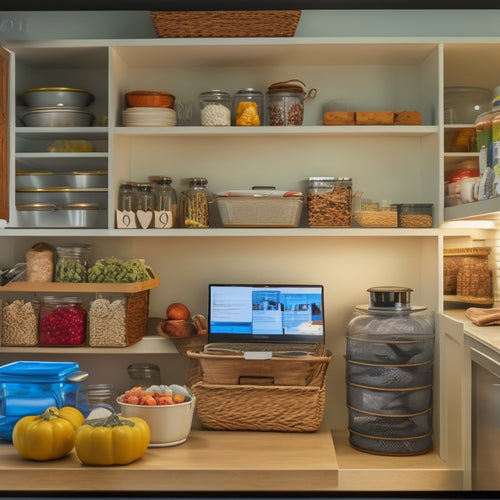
(149, 108)
(57, 107)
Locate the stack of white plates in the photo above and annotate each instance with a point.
(149, 117)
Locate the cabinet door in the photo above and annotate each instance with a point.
(4, 184)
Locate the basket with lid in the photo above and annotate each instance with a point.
(30, 387)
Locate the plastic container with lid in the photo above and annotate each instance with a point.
(63, 321)
(30, 387)
(248, 108)
(144, 205)
(164, 202)
(72, 263)
(215, 108)
(195, 202)
(415, 215)
(329, 202)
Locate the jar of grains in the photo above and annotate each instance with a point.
(285, 102)
(215, 108)
(195, 204)
(20, 323)
(329, 202)
(107, 321)
(63, 321)
(72, 263)
(40, 263)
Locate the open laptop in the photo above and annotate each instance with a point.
(249, 315)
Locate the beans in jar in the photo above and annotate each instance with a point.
(63, 321)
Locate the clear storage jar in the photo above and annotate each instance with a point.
(415, 215)
(195, 204)
(329, 202)
(72, 263)
(285, 104)
(144, 205)
(164, 202)
(125, 213)
(215, 108)
(248, 108)
(40, 260)
(63, 321)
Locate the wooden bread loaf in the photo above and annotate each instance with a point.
(338, 118)
(407, 118)
(374, 117)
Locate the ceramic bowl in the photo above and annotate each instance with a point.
(57, 96)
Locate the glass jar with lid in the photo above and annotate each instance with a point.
(144, 205)
(248, 108)
(63, 321)
(165, 203)
(195, 204)
(125, 213)
(215, 108)
(72, 263)
(285, 103)
(329, 202)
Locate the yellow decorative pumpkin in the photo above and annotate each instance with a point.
(112, 440)
(48, 436)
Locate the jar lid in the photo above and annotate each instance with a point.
(144, 186)
(288, 86)
(215, 93)
(249, 91)
(393, 297)
(198, 181)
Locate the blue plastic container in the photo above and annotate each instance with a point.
(30, 387)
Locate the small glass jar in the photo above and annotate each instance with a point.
(63, 321)
(125, 213)
(285, 104)
(101, 396)
(329, 202)
(248, 108)
(165, 203)
(144, 205)
(215, 108)
(415, 215)
(72, 263)
(195, 204)
(144, 374)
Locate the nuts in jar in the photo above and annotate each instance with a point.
(329, 202)
(285, 102)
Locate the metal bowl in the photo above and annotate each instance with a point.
(57, 96)
(57, 117)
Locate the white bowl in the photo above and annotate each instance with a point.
(168, 424)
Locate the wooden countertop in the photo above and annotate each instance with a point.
(225, 461)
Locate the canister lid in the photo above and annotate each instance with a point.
(394, 297)
(39, 371)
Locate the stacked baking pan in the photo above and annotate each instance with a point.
(389, 359)
(57, 107)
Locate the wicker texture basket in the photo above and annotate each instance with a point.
(224, 24)
(261, 407)
(466, 272)
(260, 211)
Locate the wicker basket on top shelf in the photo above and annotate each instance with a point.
(225, 24)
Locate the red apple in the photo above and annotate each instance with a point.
(178, 311)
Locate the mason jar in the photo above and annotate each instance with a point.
(164, 203)
(72, 263)
(195, 204)
(144, 205)
(125, 213)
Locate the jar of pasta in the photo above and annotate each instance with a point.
(195, 204)
(247, 108)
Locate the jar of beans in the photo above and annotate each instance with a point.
(329, 202)
(63, 321)
(215, 108)
(285, 103)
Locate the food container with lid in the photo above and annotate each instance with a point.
(329, 202)
(248, 108)
(63, 321)
(215, 108)
(285, 103)
(30, 387)
(194, 211)
(57, 96)
(415, 215)
(72, 263)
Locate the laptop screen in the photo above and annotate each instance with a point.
(266, 313)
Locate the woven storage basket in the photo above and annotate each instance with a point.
(234, 369)
(260, 211)
(262, 407)
(377, 218)
(220, 24)
(466, 272)
(193, 343)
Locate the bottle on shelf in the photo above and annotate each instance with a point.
(164, 202)
(144, 205)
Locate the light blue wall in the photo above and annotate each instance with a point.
(45, 25)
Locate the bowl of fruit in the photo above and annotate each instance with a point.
(168, 410)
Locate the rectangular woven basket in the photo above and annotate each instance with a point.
(284, 408)
(224, 24)
(260, 211)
